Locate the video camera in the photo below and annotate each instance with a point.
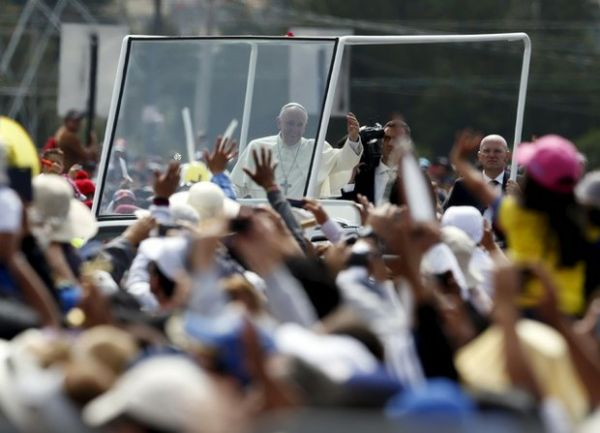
(370, 134)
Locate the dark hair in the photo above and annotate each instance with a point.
(167, 285)
(397, 193)
(318, 283)
(593, 216)
(54, 151)
(563, 214)
(365, 336)
(73, 115)
(398, 123)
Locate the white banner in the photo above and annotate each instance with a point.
(75, 63)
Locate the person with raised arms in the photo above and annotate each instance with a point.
(292, 153)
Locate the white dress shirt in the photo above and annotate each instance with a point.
(383, 176)
(488, 213)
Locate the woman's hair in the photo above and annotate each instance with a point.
(397, 193)
(564, 217)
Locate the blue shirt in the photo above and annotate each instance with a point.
(223, 181)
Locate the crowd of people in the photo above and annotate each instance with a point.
(207, 315)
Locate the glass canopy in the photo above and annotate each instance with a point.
(174, 96)
(177, 95)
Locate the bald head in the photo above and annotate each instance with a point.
(494, 138)
(291, 122)
(493, 155)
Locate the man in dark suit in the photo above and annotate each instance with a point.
(493, 157)
(378, 167)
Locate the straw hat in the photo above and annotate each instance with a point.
(57, 213)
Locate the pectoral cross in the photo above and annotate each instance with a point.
(285, 185)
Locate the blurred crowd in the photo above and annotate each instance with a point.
(466, 300)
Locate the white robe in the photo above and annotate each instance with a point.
(293, 164)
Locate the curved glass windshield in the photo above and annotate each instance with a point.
(178, 95)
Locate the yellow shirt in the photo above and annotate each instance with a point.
(530, 239)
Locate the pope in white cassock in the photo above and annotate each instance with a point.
(292, 153)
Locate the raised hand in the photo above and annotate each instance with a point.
(73, 170)
(268, 393)
(264, 172)
(286, 242)
(465, 143)
(356, 171)
(401, 234)
(262, 245)
(165, 184)
(507, 284)
(407, 238)
(352, 126)
(314, 207)
(513, 188)
(223, 152)
(53, 167)
(364, 207)
(487, 241)
(139, 230)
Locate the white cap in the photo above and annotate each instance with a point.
(169, 254)
(208, 200)
(462, 247)
(338, 356)
(165, 392)
(466, 218)
(183, 212)
(440, 259)
(587, 190)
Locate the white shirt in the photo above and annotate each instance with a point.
(388, 317)
(488, 213)
(383, 176)
(10, 203)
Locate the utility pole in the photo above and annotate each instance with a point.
(157, 27)
(92, 84)
(210, 17)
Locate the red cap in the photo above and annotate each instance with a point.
(85, 186)
(82, 174)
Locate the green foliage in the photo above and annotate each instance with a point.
(440, 91)
(589, 145)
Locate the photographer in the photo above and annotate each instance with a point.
(377, 170)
